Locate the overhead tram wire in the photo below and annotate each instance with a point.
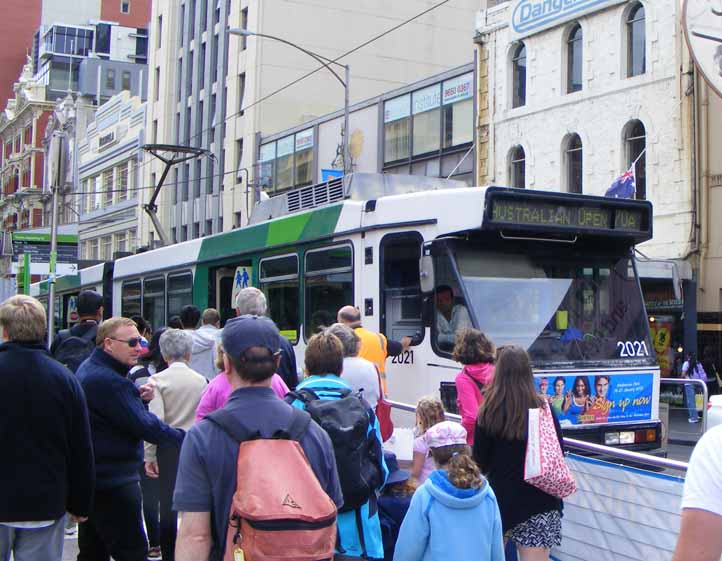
(312, 72)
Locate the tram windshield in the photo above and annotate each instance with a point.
(581, 309)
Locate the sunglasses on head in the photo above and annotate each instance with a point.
(132, 342)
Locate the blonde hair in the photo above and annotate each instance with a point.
(429, 411)
(110, 326)
(459, 465)
(24, 318)
(219, 357)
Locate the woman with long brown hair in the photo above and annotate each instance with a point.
(530, 517)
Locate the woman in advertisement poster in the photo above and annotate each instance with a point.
(598, 407)
(531, 518)
(577, 399)
(557, 400)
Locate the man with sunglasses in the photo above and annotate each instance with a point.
(119, 425)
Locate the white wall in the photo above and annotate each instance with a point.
(598, 114)
(73, 12)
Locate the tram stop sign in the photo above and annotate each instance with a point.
(241, 279)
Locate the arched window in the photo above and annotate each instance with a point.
(517, 167)
(635, 144)
(518, 69)
(573, 163)
(574, 59)
(636, 41)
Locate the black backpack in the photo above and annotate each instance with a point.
(73, 349)
(358, 451)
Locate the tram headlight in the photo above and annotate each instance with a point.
(626, 437)
(611, 438)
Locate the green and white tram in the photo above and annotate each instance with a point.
(552, 272)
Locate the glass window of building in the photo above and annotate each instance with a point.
(110, 78)
(123, 181)
(121, 242)
(574, 59)
(125, 81)
(202, 77)
(304, 158)
(108, 187)
(457, 99)
(635, 140)
(284, 163)
(636, 41)
(518, 68)
(267, 160)
(397, 122)
(426, 110)
(106, 248)
(573, 163)
(517, 167)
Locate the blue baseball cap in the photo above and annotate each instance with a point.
(244, 332)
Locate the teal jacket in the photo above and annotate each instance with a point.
(347, 520)
(445, 522)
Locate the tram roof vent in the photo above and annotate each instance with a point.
(356, 186)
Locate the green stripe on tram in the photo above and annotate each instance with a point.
(292, 229)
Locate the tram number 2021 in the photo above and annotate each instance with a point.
(632, 349)
(406, 357)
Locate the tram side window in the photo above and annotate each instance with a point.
(451, 313)
(130, 299)
(180, 292)
(154, 301)
(328, 286)
(279, 282)
(402, 300)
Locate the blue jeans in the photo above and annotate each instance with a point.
(690, 402)
(33, 544)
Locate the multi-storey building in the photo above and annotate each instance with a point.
(571, 98)
(20, 20)
(109, 159)
(218, 91)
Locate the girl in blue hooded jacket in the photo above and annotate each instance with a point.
(454, 514)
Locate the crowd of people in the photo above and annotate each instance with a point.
(143, 439)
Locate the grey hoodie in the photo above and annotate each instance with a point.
(203, 355)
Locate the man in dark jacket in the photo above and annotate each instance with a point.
(47, 463)
(120, 424)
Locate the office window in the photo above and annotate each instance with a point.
(211, 176)
(239, 160)
(185, 183)
(217, 12)
(159, 33)
(123, 181)
(426, 111)
(132, 240)
(196, 230)
(179, 79)
(156, 86)
(458, 114)
(209, 228)
(125, 80)
(189, 74)
(284, 162)
(573, 163)
(241, 91)
(110, 78)
(518, 67)
(517, 165)
(214, 59)
(121, 242)
(155, 131)
(636, 41)
(244, 25)
(204, 15)
(304, 158)
(574, 59)
(108, 187)
(182, 26)
(174, 188)
(192, 20)
(124, 6)
(266, 159)
(397, 122)
(635, 140)
(197, 179)
(202, 61)
(106, 245)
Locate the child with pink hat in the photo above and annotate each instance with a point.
(454, 514)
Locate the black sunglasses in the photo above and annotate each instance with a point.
(132, 342)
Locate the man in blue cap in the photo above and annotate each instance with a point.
(207, 471)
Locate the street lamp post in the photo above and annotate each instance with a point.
(326, 63)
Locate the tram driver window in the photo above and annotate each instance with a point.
(279, 282)
(451, 314)
(328, 286)
(130, 299)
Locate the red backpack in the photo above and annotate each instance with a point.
(279, 510)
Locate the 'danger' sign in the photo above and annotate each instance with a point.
(532, 16)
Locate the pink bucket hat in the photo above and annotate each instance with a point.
(446, 433)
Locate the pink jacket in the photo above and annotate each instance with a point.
(469, 395)
(219, 390)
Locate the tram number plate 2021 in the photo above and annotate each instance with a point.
(406, 357)
(629, 349)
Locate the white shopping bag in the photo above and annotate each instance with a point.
(533, 460)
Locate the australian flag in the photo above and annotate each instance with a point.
(624, 187)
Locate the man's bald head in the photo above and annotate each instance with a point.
(349, 315)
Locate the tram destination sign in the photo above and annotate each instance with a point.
(563, 215)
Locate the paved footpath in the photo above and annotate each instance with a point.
(70, 550)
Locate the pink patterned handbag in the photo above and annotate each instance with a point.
(544, 466)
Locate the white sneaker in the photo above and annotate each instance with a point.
(71, 530)
(693, 420)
